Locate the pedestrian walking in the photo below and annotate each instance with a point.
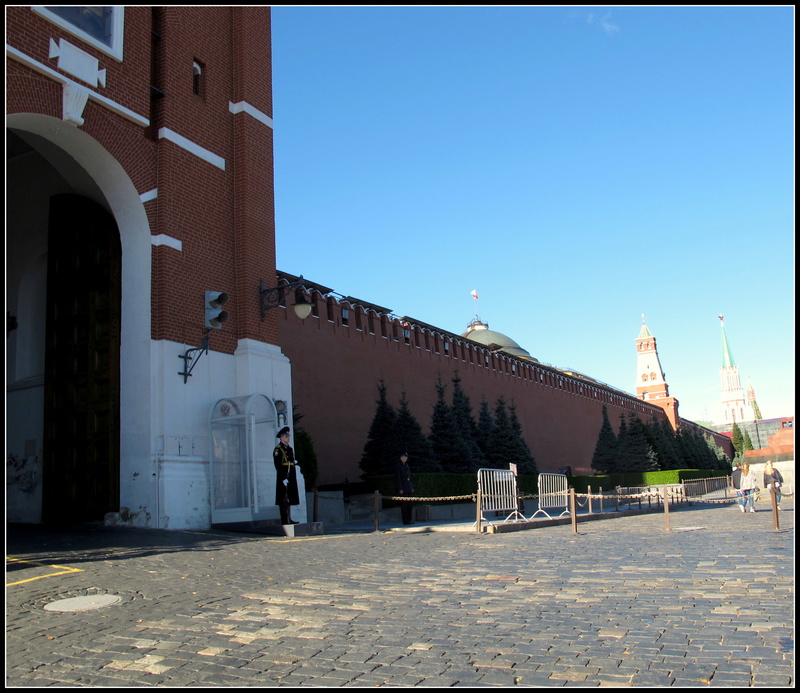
(736, 479)
(286, 492)
(748, 485)
(404, 486)
(773, 479)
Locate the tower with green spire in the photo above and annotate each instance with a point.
(735, 406)
(751, 399)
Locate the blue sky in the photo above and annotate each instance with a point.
(577, 166)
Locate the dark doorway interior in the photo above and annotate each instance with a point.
(81, 409)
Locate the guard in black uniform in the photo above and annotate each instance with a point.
(286, 493)
(405, 487)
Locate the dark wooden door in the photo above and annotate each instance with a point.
(81, 409)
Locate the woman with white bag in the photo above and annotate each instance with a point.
(748, 486)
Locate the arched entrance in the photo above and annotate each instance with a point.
(79, 410)
(81, 393)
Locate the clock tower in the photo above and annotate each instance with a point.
(651, 384)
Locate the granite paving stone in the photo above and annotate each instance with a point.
(620, 603)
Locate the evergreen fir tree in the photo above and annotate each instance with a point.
(449, 450)
(747, 442)
(304, 451)
(604, 459)
(722, 459)
(620, 465)
(378, 456)
(503, 449)
(636, 455)
(672, 454)
(466, 426)
(706, 459)
(685, 458)
(662, 439)
(738, 439)
(485, 428)
(408, 437)
(527, 463)
(692, 451)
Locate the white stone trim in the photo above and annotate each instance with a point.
(77, 62)
(244, 107)
(73, 101)
(149, 195)
(169, 241)
(192, 147)
(20, 57)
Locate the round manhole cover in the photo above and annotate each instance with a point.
(95, 601)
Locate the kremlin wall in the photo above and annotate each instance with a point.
(342, 350)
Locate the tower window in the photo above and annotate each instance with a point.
(197, 78)
(99, 26)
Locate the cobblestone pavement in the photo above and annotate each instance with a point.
(621, 603)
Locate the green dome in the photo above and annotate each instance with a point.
(479, 332)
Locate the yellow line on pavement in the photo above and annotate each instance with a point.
(63, 570)
(312, 538)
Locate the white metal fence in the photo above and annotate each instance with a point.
(713, 488)
(498, 490)
(553, 493)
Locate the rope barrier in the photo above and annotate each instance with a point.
(531, 496)
(417, 499)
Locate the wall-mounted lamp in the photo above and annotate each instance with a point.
(272, 297)
(280, 407)
(215, 317)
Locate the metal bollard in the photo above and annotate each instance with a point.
(478, 514)
(776, 523)
(601, 499)
(316, 506)
(666, 508)
(589, 496)
(376, 507)
(572, 510)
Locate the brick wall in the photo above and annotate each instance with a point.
(336, 368)
(223, 217)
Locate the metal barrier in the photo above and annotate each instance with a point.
(553, 493)
(498, 493)
(712, 488)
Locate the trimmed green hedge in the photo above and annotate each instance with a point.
(669, 476)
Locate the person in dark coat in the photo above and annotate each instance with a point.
(286, 493)
(736, 482)
(404, 486)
